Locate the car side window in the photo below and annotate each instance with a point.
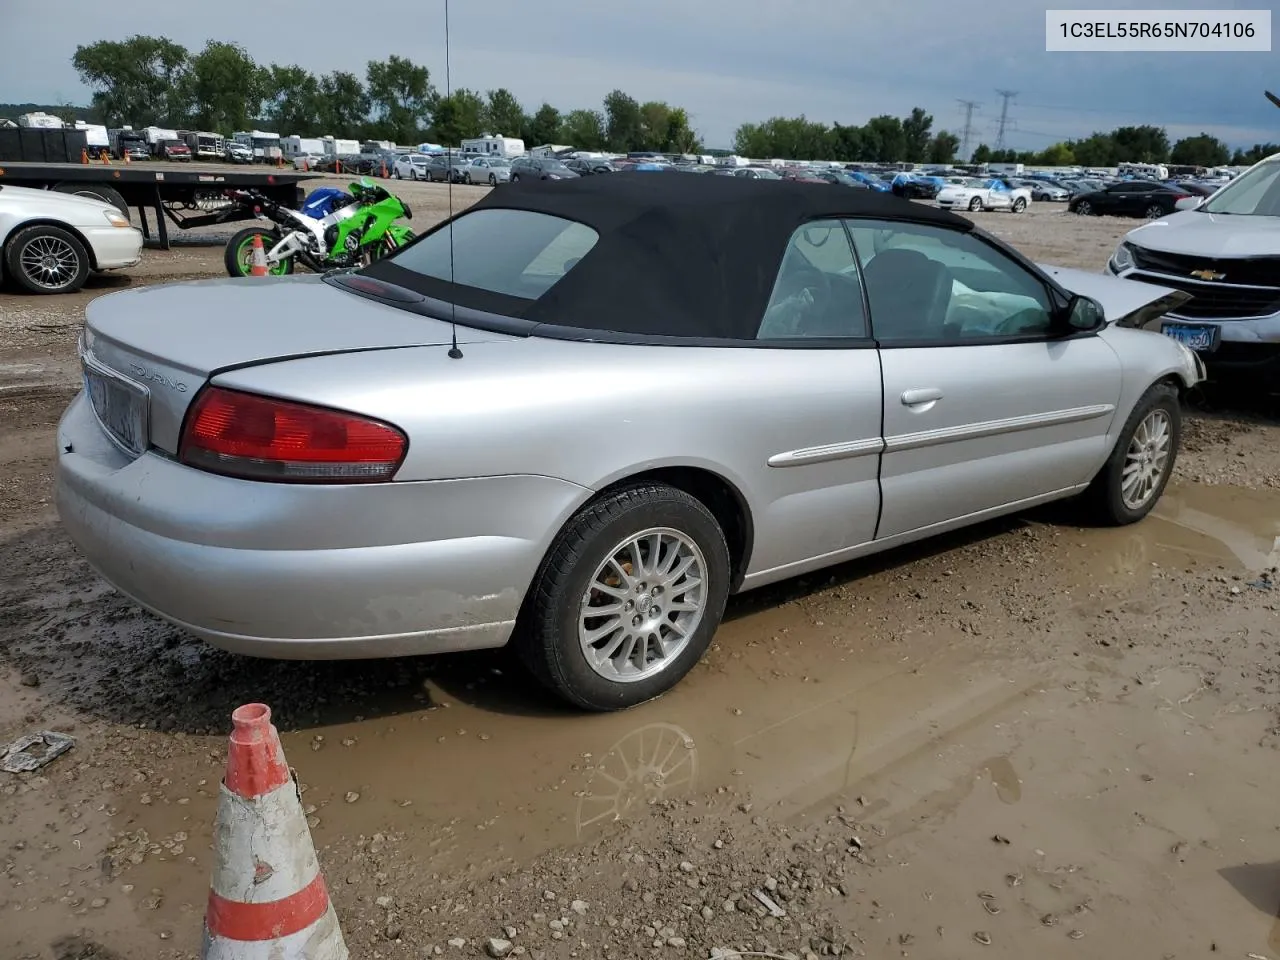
(817, 293)
(933, 285)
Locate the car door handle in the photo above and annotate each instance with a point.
(914, 398)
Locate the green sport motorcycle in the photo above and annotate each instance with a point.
(333, 229)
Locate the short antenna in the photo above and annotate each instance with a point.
(454, 352)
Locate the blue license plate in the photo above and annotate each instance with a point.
(1195, 336)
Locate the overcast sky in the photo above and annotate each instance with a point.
(725, 61)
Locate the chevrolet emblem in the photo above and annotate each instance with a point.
(1208, 275)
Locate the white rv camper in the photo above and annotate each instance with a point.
(264, 144)
(95, 135)
(493, 146)
(298, 146)
(41, 121)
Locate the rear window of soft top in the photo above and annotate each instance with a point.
(517, 253)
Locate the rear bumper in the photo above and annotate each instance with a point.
(308, 572)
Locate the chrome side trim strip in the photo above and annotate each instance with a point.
(993, 428)
(846, 450)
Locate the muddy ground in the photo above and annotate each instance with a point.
(1031, 738)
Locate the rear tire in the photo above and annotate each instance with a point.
(687, 602)
(46, 259)
(1154, 212)
(1157, 414)
(233, 256)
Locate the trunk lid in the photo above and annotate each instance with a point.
(158, 345)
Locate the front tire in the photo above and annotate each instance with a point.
(627, 599)
(1130, 483)
(975, 205)
(47, 259)
(1019, 205)
(1084, 208)
(493, 180)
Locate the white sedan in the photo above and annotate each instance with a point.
(490, 170)
(50, 241)
(973, 194)
(410, 166)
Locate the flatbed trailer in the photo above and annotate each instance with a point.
(187, 196)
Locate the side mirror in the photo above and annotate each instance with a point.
(1084, 315)
(1188, 203)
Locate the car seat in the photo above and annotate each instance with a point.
(910, 294)
(838, 312)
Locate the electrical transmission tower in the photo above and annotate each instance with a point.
(1006, 96)
(969, 107)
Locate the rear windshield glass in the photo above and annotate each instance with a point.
(518, 253)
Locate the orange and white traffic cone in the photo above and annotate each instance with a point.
(268, 899)
(258, 265)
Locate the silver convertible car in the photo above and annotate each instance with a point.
(580, 414)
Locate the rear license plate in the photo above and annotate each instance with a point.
(1195, 336)
(121, 408)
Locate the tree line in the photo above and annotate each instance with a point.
(887, 139)
(145, 81)
(148, 80)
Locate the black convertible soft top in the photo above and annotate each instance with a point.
(678, 255)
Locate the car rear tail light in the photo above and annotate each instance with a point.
(260, 438)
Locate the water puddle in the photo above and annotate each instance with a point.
(480, 786)
(1194, 525)
(485, 778)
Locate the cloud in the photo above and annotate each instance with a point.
(726, 61)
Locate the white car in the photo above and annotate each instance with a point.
(50, 241)
(974, 195)
(490, 170)
(410, 166)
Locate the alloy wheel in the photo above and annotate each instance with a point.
(642, 605)
(49, 262)
(1146, 460)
